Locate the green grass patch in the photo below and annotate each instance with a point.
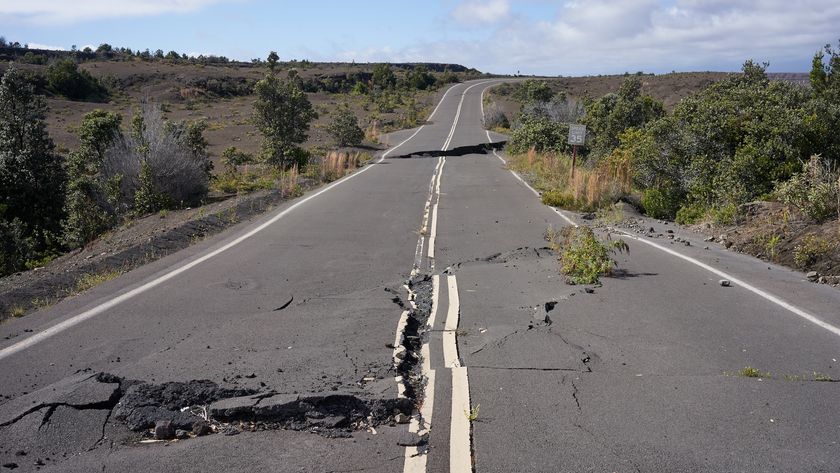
(583, 257)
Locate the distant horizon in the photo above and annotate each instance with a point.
(531, 37)
(291, 60)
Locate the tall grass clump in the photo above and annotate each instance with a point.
(589, 189)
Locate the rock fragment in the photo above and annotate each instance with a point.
(164, 430)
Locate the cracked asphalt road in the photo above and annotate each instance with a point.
(629, 377)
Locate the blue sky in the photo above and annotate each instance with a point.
(572, 37)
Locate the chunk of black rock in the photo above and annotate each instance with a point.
(201, 428)
(164, 430)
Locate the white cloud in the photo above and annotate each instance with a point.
(46, 47)
(614, 36)
(476, 11)
(64, 11)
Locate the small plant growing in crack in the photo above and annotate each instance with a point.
(750, 372)
(822, 377)
(472, 415)
(583, 257)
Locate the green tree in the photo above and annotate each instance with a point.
(419, 78)
(272, 60)
(607, 117)
(383, 76)
(32, 176)
(822, 119)
(282, 113)
(65, 78)
(88, 209)
(344, 128)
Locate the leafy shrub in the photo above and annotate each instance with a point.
(557, 198)
(344, 128)
(32, 58)
(495, 118)
(661, 203)
(540, 133)
(690, 214)
(232, 157)
(607, 117)
(814, 191)
(419, 78)
(65, 78)
(809, 251)
(383, 76)
(533, 90)
(724, 214)
(583, 257)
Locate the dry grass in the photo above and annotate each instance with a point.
(17, 311)
(588, 189)
(89, 281)
(372, 132)
(337, 164)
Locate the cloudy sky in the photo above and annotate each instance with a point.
(547, 37)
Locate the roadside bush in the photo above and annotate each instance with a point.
(65, 78)
(661, 203)
(383, 76)
(583, 257)
(558, 198)
(724, 214)
(156, 163)
(419, 78)
(344, 128)
(533, 90)
(809, 251)
(232, 157)
(690, 214)
(612, 114)
(814, 190)
(540, 133)
(559, 109)
(495, 118)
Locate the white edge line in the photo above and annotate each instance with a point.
(776, 300)
(77, 319)
(536, 193)
(784, 304)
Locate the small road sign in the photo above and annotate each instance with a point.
(577, 135)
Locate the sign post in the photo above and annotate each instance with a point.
(577, 137)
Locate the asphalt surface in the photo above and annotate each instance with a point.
(639, 374)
